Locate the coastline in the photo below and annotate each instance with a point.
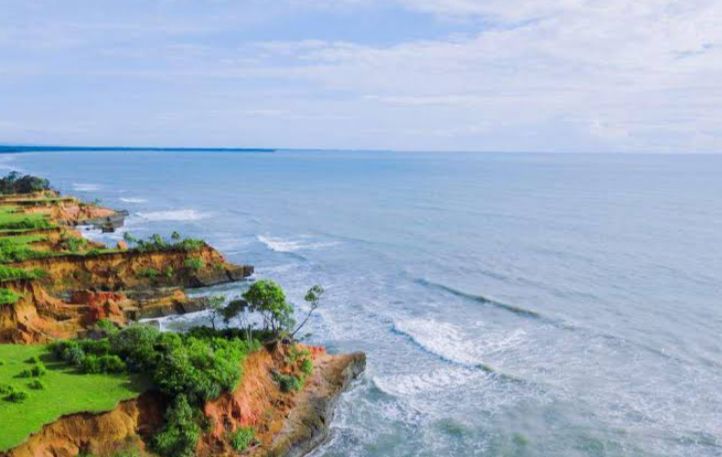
(78, 289)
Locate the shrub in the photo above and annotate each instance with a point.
(34, 372)
(194, 263)
(91, 364)
(107, 326)
(307, 367)
(111, 364)
(180, 433)
(6, 389)
(242, 438)
(36, 384)
(288, 382)
(17, 396)
(149, 273)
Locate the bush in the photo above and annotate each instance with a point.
(180, 433)
(288, 382)
(16, 396)
(34, 372)
(194, 263)
(242, 438)
(307, 367)
(149, 273)
(36, 384)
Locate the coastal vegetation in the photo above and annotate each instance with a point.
(16, 183)
(102, 360)
(26, 406)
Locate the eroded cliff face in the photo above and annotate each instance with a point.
(286, 424)
(96, 434)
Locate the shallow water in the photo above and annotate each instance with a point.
(510, 304)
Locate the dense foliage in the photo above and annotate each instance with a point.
(156, 243)
(190, 369)
(15, 183)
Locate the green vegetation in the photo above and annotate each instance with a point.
(12, 273)
(15, 183)
(156, 243)
(8, 297)
(148, 273)
(288, 382)
(181, 431)
(242, 438)
(194, 263)
(190, 369)
(66, 392)
(11, 219)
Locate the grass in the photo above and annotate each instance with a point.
(10, 218)
(64, 392)
(12, 273)
(8, 297)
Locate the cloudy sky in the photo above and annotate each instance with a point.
(482, 75)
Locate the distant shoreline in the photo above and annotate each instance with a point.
(9, 149)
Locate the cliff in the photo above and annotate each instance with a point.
(288, 424)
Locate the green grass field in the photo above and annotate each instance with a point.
(11, 219)
(66, 392)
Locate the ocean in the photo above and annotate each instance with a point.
(509, 304)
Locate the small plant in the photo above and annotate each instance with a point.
(168, 272)
(107, 326)
(16, 396)
(307, 367)
(148, 273)
(288, 382)
(194, 263)
(36, 384)
(8, 297)
(34, 372)
(242, 438)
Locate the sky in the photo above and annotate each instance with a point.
(448, 75)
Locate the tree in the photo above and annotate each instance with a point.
(215, 305)
(268, 299)
(238, 309)
(313, 296)
(175, 236)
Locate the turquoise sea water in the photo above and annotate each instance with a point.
(509, 304)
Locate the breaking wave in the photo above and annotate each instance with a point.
(173, 215)
(288, 245)
(86, 187)
(133, 200)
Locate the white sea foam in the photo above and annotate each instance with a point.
(440, 380)
(289, 245)
(173, 215)
(85, 187)
(451, 343)
(133, 200)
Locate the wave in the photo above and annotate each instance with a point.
(432, 381)
(133, 200)
(450, 343)
(488, 301)
(173, 215)
(288, 245)
(86, 187)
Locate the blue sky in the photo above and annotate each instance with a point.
(483, 75)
